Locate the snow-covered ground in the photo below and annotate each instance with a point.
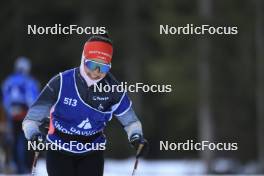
(145, 167)
(159, 167)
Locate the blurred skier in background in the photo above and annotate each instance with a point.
(19, 91)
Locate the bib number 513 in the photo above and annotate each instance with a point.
(70, 101)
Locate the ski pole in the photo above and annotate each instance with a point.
(33, 171)
(35, 160)
(140, 147)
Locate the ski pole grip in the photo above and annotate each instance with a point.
(40, 138)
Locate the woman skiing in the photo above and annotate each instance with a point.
(79, 113)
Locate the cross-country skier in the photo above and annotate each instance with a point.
(19, 92)
(80, 113)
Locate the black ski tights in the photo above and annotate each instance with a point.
(61, 164)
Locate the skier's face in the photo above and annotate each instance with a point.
(94, 74)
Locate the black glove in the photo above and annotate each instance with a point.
(44, 127)
(139, 143)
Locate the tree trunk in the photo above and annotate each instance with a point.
(204, 106)
(260, 81)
